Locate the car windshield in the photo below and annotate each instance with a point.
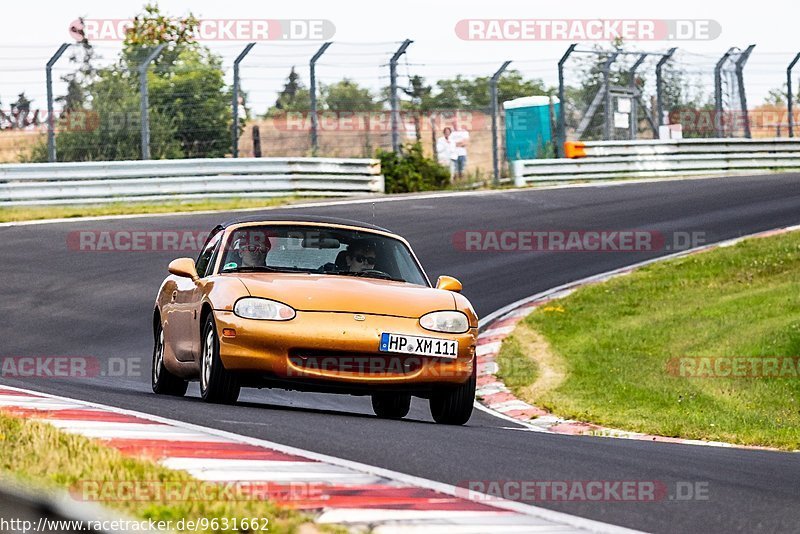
(322, 250)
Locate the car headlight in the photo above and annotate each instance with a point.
(452, 322)
(268, 310)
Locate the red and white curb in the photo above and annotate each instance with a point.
(496, 398)
(359, 496)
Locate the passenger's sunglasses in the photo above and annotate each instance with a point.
(368, 259)
(253, 248)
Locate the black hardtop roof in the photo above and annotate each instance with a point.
(302, 218)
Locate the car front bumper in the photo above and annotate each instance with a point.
(336, 348)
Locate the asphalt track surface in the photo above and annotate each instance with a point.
(62, 302)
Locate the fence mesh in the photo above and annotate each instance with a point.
(98, 99)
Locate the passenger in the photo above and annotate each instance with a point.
(253, 252)
(361, 256)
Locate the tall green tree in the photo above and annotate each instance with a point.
(293, 97)
(347, 95)
(190, 104)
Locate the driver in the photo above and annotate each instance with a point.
(361, 256)
(252, 249)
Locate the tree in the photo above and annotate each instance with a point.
(776, 96)
(190, 113)
(347, 95)
(420, 94)
(464, 93)
(293, 97)
(152, 28)
(193, 95)
(75, 98)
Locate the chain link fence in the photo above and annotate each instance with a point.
(111, 102)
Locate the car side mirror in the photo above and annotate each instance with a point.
(184, 267)
(448, 283)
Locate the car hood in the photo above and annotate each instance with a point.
(312, 292)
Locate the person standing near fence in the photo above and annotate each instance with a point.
(460, 141)
(446, 150)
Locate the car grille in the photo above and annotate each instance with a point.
(355, 364)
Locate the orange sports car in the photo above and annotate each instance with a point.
(315, 304)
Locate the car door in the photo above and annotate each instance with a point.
(187, 301)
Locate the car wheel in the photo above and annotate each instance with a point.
(164, 382)
(454, 406)
(391, 405)
(217, 384)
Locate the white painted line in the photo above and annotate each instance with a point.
(135, 431)
(36, 403)
(487, 348)
(491, 389)
(511, 405)
(524, 425)
(380, 515)
(488, 368)
(436, 528)
(219, 470)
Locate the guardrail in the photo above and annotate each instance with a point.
(125, 181)
(641, 159)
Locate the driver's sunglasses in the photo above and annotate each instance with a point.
(254, 248)
(368, 259)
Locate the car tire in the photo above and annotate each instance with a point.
(164, 382)
(217, 384)
(391, 405)
(454, 406)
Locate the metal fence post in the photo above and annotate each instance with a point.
(51, 125)
(393, 92)
(235, 100)
(145, 117)
(493, 91)
(313, 82)
(740, 63)
(660, 85)
(790, 93)
(607, 82)
(718, 92)
(633, 127)
(561, 133)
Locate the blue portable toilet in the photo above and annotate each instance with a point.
(528, 126)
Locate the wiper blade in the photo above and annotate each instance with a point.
(259, 269)
(369, 274)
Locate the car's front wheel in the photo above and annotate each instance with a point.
(164, 382)
(454, 406)
(391, 405)
(217, 384)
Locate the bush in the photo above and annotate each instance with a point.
(412, 171)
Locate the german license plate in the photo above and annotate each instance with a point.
(419, 346)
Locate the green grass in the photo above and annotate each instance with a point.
(516, 369)
(616, 340)
(41, 456)
(29, 213)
